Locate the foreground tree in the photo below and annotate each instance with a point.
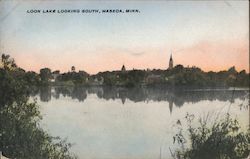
(20, 133)
(8, 62)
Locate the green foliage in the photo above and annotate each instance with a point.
(7, 62)
(126, 79)
(178, 76)
(110, 80)
(20, 133)
(73, 77)
(219, 140)
(195, 77)
(32, 78)
(45, 75)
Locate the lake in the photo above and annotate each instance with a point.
(111, 123)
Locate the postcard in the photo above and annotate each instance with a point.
(124, 79)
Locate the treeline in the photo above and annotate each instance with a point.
(194, 76)
(178, 76)
(20, 133)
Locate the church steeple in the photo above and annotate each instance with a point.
(123, 68)
(171, 62)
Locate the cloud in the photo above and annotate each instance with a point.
(216, 55)
(138, 53)
(133, 53)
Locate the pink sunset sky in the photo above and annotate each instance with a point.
(212, 35)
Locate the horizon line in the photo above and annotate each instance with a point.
(147, 69)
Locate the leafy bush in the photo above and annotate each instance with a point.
(20, 133)
(221, 139)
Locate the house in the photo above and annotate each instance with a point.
(153, 79)
(55, 74)
(96, 80)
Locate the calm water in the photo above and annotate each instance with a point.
(105, 123)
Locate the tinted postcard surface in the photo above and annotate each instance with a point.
(124, 79)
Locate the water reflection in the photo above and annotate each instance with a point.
(110, 122)
(174, 96)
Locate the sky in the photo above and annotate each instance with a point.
(212, 35)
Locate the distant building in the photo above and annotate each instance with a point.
(96, 80)
(171, 62)
(123, 68)
(55, 74)
(73, 69)
(153, 79)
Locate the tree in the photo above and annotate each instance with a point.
(45, 75)
(232, 70)
(7, 62)
(32, 78)
(20, 134)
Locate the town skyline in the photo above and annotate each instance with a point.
(169, 65)
(213, 35)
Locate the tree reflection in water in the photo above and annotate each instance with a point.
(174, 96)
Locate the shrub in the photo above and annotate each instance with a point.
(221, 139)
